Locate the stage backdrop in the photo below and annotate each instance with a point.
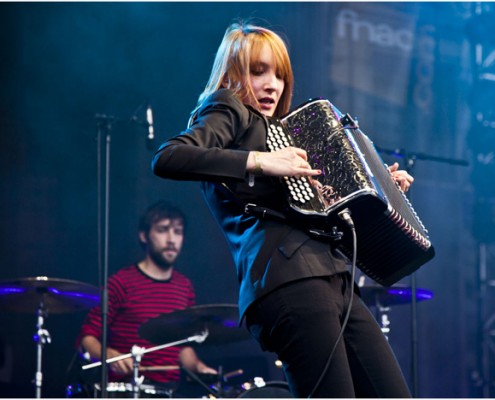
(402, 69)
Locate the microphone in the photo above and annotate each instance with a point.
(149, 120)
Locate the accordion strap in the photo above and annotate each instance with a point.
(252, 208)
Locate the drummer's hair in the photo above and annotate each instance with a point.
(158, 211)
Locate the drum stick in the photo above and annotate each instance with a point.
(160, 368)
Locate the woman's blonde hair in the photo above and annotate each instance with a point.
(240, 49)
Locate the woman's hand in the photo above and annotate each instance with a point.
(289, 161)
(401, 177)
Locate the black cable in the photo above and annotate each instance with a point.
(346, 216)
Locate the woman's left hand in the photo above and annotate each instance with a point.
(401, 177)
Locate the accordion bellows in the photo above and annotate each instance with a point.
(392, 242)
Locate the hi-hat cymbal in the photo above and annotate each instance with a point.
(392, 296)
(220, 320)
(53, 295)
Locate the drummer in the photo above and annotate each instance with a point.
(142, 291)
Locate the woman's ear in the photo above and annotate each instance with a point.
(225, 81)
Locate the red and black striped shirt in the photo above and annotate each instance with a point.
(134, 298)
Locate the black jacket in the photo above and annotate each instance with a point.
(214, 149)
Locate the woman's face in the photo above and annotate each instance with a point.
(267, 84)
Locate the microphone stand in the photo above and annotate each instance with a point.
(410, 160)
(411, 157)
(104, 128)
(104, 125)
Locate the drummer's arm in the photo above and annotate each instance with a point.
(190, 360)
(92, 346)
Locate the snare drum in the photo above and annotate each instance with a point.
(125, 390)
(272, 390)
(117, 390)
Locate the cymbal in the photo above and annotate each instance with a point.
(392, 296)
(220, 320)
(54, 295)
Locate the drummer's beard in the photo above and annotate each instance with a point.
(163, 261)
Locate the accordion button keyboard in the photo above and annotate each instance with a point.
(299, 188)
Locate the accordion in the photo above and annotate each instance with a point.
(391, 239)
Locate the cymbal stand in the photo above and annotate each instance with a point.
(41, 338)
(137, 354)
(384, 320)
(220, 388)
(381, 310)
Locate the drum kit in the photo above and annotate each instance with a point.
(212, 324)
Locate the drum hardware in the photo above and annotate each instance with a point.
(257, 382)
(42, 295)
(137, 354)
(41, 338)
(268, 390)
(120, 389)
(195, 377)
(223, 377)
(384, 297)
(194, 385)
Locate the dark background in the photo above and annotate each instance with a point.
(407, 71)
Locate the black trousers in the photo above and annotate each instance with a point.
(301, 321)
